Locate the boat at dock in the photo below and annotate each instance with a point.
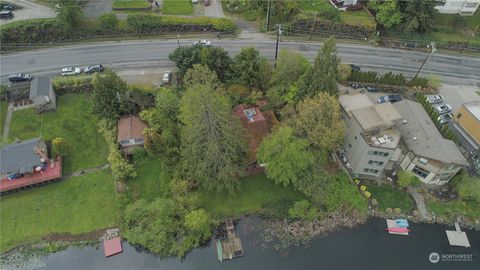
(403, 223)
(398, 230)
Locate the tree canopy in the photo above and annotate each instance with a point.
(387, 13)
(69, 13)
(212, 146)
(108, 94)
(285, 156)
(250, 69)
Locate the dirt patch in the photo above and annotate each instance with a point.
(93, 235)
(120, 186)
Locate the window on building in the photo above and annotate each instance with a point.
(420, 172)
(349, 145)
(380, 163)
(370, 162)
(471, 5)
(385, 154)
(355, 137)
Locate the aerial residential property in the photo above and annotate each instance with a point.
(240, 134)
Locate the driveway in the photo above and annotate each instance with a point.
(30, 10)
(214, 9)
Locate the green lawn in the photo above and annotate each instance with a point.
(152, 180)
(3, 114)
(450, 210)
(76, 205)
(131, 4)
(315, 5)
(256, 191)
(72, 120)
(177, 7)
(389, 197)
(358, 17)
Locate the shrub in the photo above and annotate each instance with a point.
(61, 147)
(109, 22)
(397, 211)
(138, 154)
(419, 82)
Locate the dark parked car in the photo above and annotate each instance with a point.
(411, 45)
(8, 7)
(94, 68)
(355, 67)
(389, 98)
(19, 77)
(6, 14)
(372, 89)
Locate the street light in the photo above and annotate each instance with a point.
(434, 49)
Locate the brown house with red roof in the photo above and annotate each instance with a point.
(256, 123)
(130, 133)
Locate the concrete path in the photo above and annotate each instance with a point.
(420, 202)
(30, 10)
(8, 120)
(215, 9)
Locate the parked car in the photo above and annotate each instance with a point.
(445, 118)
(71, 71)
(19, 77)
(411, 45)
(355, 85)
(94, 68)
(434, 99)
(355, 67)
(207, 2)
(445, 108)
(6, 14)
(202, 42)
(8, 7)
(371, 89)
(389, 98)
(167, 77)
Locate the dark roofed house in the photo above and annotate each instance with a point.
(22, 157)
(42, 94)
(130, 133)
(255, 124)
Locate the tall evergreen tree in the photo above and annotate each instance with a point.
(322, 76)
(212, 146)
(419, 16)
(107, 95)
(250, 70)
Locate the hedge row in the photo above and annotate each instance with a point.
(323, 27)
(74, 84)
(387, 79)
(444, 129)
(50, 30)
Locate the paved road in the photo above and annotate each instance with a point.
(30, 10)
(215, 9)
(154, 53)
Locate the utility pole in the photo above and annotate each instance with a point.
(279, 32)
(178, 40)
(268, 15)
(434, 49)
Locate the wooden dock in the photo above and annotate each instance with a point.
(457, 237)
(230, 247)
(391, 224)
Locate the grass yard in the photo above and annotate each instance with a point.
(77, 205)
(152, 180)
(177, 7)
(256, 191)
(315, 5)
(72, 120)
(450, 210)
(131, 4)
(358, 17)
(389, 197)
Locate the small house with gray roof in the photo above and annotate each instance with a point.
(42, 94)
(383, 138)
(23, 157)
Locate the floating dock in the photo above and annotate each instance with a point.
(112, 243)
(391, 224)
(230, 247)
(457, 237)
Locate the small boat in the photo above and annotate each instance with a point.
(398, 230)
(219, 250)
(401, 223)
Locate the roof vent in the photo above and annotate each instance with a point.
(250, 113)
(404, 121)
(414, 138)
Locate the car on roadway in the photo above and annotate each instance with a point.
(94, 68)
(19, 77)
(444, 108)
(6, 14)
(167, 77)
(389, 98)
(355, 67)
(371, 89)
(202, 42)
(71, 71)
(445, 118)
(434, 99)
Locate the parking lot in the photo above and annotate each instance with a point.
(29, 10)
(456, 95)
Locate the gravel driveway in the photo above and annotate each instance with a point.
(30, 10)
(214, 9)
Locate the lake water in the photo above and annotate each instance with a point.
(364, 247)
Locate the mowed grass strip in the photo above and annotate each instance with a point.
(131, 4)
(76, 205)
(72, 120)
(255, 192)
(177, 7)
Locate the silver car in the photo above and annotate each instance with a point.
(445, 108)
(445, 118)
(435, 99)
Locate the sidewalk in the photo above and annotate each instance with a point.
(8, 120)
(420, 202)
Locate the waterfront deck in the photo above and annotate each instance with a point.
(230, 247)
(391, 224)
(457, 237)
(50, 174)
